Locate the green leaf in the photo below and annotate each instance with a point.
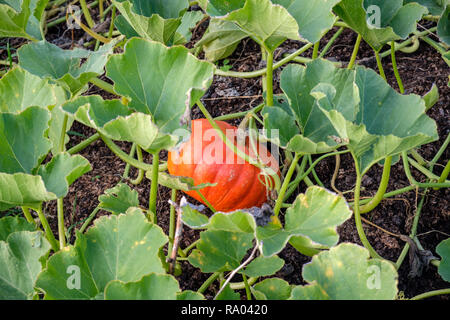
(9, 225)
(272, 289)
(20, 265)
(172, 9)
(315, 215)
(166, 89)
(389, 20)
(443, 27)
(431, 97)
(62, 171)
(22, 18)
(190, 295)
(118, 199)
(118, 122)
(178, 182)
(22, 142)
(219, 250)
(47, 60)
(228, 294)
(220, 39)
(263, 266)
(443, 249)
(297, 82)
(189, 20)
(220, 8)
(142, 17)
(314, 17)
(20, 89)
(270, 24)
(194, 219)
(151, 287)
(435, 7)
(386, 123)
(278, 120)
(238, 221)
(346, 272)
(103, 254)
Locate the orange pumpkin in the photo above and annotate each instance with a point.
(206, 159)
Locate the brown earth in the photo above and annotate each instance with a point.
(226, 95)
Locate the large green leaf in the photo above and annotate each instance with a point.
(20, 264)
(22, 142)
(435, 7)
(272, 289)
(119, 122)
(103, 254)
(151, 287)
(443, 27)
(391, 19)
(53, 181)
(386, 123)
(345, 272)
(150, 19)
(188, 22)
(314, 215)
(47, 60)
(118, 199)
(443, 249)
(270, 24)
(219, 7)
(160, 81)
(22, 18)
(263, 266)
(9, 225)
(220, 39)
(314, 17)
(315, 133)
(62, 171)
(219, 250)
(20, 89)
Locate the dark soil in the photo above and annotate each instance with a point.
(419, 72)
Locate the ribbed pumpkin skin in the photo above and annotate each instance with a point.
(237, 186)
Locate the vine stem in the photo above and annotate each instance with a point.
(48, 231)
(209, 281)
(381, 188)
(330, 42)
(394, 66)
(60, 201)
(141, 172)
(154, 185)
(89, 219)
(247, 287)
(28, 216)
(420, 184)
(357, 214)
(125, 157)
(87, 14)
(241, 114)
(103, 85)
(285, 184)
(431, 294)
(355, 52)
(173, 198)
(269, 78)
(261, 72)
(83, 144)
(315, 53)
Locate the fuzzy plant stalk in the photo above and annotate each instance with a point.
(269, 79)
(381, 188)
(394, 66)
(355, 52)
(357, 213)
(154, 185)
(48, 231)
(285, 184)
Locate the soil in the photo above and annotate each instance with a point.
(419, 71)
